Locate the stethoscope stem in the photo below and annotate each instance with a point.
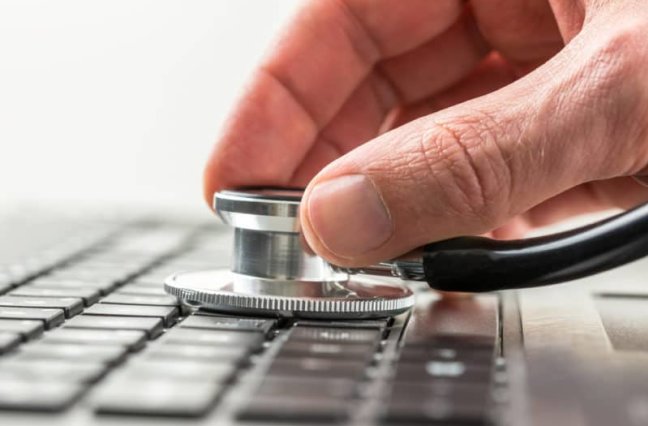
(478, 264)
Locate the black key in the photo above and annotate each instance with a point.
(180, 370)
(360, 351)
(90, 296)
(199, 352)
(228, 323)
(468, 317)
(434, 370)
(424, 354)
(464, 342)
(107, 354)
(132, 339)
(71, 306)
(156, 397)
(34, 396)
(299, 387)
(125, 299)
(152, 326)
(28, 329)
(139, 290)
(38, 370)
(215, 337)
(8, 341)
(337, 335)
(168, 314)
(50, 317)
(318, 367)
(472, 393)
(278, 408)
(436, 411)
(380, 323)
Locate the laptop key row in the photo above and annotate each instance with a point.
(310, 379)
(186, 372)
(59, 366)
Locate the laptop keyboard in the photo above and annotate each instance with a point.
(86, 325)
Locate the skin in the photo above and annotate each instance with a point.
(450, 117)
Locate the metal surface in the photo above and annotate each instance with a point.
(406, 267)
(225, 291)
(268, 210)
(273, 273)
(273, 255)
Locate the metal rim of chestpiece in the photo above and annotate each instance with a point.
(273, 274)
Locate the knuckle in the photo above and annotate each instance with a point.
(618, 95)
(469, 164)
(612, 64)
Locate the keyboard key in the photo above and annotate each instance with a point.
(183, 370)
(278, 408)
(379, 323)
(125, 299)
(318, 367)
(292, 349)
(152, 326)
(228, 323)
(337, 335)
(8, 341)
(46, 282)
(158, 398)
(28, 329)
(112, 277)
(469, 316)
(434, 370)
(436, 411)
(49, 317)
(107, 354)
(299, 387)
(448, 353)
(199, 352)
(50, 396)
(145, 281)
(168, 314)
(214, 337)
(132, 339)
(139, 290)
(473, 393)
(36, 370)
(88, 295)
(464, 342)
(71, 306)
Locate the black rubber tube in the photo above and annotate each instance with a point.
(477, 264)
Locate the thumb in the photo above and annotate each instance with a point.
(469, 168)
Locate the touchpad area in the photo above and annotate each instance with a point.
(625, 319)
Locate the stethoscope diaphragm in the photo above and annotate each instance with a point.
(272, 273)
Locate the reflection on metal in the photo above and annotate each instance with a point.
(274, 273)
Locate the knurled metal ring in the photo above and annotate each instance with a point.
(356, 298)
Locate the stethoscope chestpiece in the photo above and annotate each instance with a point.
(273, 273)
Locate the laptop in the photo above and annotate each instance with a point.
(88, 336)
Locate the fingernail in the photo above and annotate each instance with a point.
(348, 215)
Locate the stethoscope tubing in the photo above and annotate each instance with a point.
(478, 264)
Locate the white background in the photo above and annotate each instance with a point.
(120, 101)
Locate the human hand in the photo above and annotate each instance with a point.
(415, 121)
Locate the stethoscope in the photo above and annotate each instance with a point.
(274, 273)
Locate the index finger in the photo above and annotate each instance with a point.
(324, 54)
